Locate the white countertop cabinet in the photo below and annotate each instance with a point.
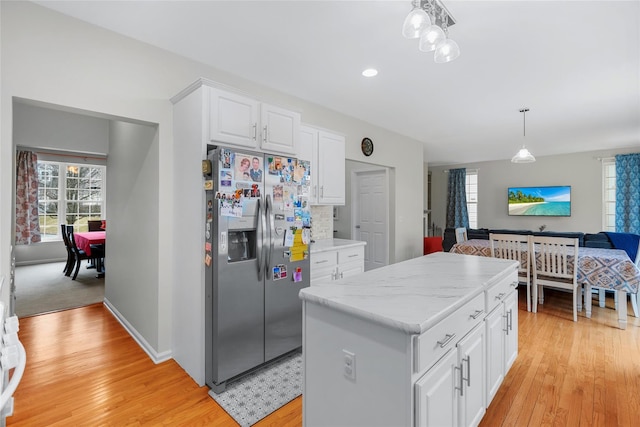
(403, 345)
(326, 152)
(335, 259)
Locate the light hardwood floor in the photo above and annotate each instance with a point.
(84, 369)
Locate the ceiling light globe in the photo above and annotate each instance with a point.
(523, 156)
(430, 38)
(446, 51)
(415, 23)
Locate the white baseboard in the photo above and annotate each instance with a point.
(39, 261)
(151, 352)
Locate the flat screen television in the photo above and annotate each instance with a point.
(540, 201)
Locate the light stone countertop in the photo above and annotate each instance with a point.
(412, 295)
(333, 244)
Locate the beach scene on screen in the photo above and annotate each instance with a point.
(540, 201)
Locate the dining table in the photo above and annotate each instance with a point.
(84, 240)
(610, 269)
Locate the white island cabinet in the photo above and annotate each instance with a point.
(406, 344)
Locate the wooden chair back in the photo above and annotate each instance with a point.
(554, 262)
(514, 247)
(95, 224)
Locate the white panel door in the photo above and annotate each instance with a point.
(371, 222)
(495, 324)
(280, 130)
(331, 168)
(471, 356)
(233, 119)
(436, 396)
(511, 338)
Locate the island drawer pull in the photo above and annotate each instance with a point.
(322, 261)
(476, 314)
(351, 256)
(447, 340)
(515, 284)
(500, 295)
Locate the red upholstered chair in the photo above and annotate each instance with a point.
(432, 244)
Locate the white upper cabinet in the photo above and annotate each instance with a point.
(233, 119)
(308, 151)
(280, 129)
(326, 152)
(331, 168)
(243, 121)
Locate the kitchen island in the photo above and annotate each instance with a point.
(422, 342)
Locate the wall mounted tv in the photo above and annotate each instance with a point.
(540, 201)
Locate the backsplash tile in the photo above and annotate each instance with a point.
(321, 222)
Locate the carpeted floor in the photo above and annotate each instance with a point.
(255, 396)
(43, 288)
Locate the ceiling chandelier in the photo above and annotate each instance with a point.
(523, 156)
(429, 21)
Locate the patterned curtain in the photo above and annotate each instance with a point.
(628, 193)
(457, 215)
(27, 223)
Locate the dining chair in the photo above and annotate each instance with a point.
(461, 235)
(514, 247)
(633, 297)
(554, 263)
(94, 224)
(70, 255)
(81, 255)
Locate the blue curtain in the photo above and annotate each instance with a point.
(628, 193)
(457, 215)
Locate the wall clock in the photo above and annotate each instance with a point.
(367, 146)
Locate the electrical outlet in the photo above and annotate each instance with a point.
(349, 364)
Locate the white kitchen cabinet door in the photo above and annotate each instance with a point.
(233, 119)
(511, 337)
(436, 396)
(280, 130)
(471, 357)
(495, 324)
(308, 149)
(351, 269)
(331, 168)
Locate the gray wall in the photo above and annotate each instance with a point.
(43, 129)
(582, 171)
(40, 127)
(132, 211)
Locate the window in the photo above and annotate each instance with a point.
(69, 194)
(609, 194)
(471, 186)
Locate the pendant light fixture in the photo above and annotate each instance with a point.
(429, 21)
(523, 156)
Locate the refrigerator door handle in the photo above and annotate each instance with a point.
(270, 233)
(262, 225)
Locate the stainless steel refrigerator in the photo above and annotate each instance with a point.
(256, 255)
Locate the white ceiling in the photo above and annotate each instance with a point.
(574, 64)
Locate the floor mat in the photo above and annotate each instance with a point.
(255, 396)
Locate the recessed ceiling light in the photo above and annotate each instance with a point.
(370, 72)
